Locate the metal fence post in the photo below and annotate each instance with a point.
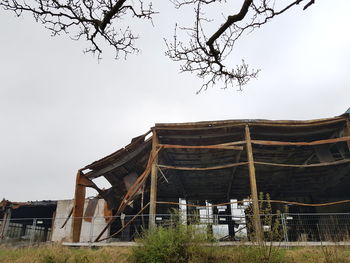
(32, 234)
(91, 238)
(284, 227)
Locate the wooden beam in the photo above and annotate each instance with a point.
(226, 146)
(200, 136)
(253, 187)
(202, 168)
(305, 165)
(78, 208)
(237, 123)
(154, 178)
(328, 141)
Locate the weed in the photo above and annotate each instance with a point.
(175, 244)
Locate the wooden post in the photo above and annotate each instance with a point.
(253, 187)
(78, 208)
(154, 177)
(5, 223)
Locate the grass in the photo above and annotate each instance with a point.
(60, 254)
(197, 254)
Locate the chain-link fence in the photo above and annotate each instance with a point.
(317, 227)
(25, 231)
(286, 227)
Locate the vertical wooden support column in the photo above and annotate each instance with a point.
(154, 177)
(78, 208)
(5, 223)
(253, 187)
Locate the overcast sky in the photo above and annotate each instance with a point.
(61, 110)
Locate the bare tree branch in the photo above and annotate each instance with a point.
(100, 21)
(92, 19)
(206, 55)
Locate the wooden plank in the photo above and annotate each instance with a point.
(227, 146)
(154, 178)
(304, 165)
(202, 168)
(297, 124)
(200, 128)
(201, 136)
(78, 208)
(253, 187)
(328, 141)
(213, 124)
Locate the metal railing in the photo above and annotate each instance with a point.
(277, 227)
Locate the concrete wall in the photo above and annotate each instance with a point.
(62, 232)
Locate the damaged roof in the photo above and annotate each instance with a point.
(292, 159)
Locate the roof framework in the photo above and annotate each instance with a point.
(218, 160)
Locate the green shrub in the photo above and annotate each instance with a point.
(175, 244)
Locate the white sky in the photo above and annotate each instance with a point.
(61, 110)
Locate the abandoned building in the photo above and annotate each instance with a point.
(17, 219)
(210, 165)
(41, 221)
(214, 162)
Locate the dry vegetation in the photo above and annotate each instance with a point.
(59, 254)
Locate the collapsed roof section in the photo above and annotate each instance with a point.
(214, 160)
